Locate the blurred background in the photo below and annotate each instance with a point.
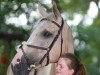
(17, 18)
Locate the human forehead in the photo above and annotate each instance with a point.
(64, 60)
(61, 63)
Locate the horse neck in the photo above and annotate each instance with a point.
(68, 39)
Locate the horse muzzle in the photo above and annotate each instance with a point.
(21, 66)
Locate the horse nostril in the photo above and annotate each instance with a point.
(18, 60)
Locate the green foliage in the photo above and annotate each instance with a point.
(73, 5)
(89, 53)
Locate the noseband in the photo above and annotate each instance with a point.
(51, 45)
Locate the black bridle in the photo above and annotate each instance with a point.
(51, 45)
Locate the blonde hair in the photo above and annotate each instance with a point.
(79, 68)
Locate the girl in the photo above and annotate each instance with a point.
(68, 64)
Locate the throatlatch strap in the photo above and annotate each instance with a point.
(61, 44)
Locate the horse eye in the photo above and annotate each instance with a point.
(46, 34)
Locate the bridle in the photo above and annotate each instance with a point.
(50, 46)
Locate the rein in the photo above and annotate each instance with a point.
(43, 48)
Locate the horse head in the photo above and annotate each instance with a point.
(50, 38)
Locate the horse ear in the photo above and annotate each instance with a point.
(55, 10)
(42, 10)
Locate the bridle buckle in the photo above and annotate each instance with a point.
(31, 67)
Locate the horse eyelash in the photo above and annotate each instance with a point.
(46, 34)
